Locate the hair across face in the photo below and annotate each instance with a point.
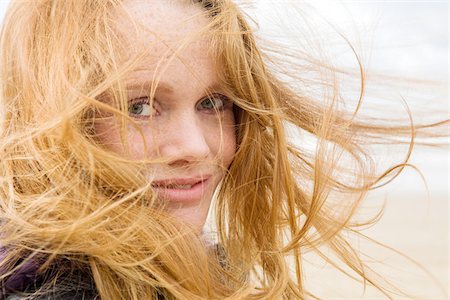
(183, 117)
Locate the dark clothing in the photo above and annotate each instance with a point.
(63, 280)
(59, 282)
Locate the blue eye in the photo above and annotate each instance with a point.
(215, 102)
(140, 108)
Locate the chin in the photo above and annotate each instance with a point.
(194, 217)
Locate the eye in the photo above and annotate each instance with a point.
(214, 103)
(140, 108)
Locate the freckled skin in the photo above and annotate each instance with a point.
(193, 140)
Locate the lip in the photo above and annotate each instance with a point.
(167, 189)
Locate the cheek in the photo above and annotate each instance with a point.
(224, 141)
(108, 135)
(141, 143)
(229, 145)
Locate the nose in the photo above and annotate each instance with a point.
(184, 140)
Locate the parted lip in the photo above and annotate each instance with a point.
(183, 190)
(180, 181)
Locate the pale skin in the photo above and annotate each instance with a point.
(190, 129)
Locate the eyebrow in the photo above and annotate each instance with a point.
(164, 87)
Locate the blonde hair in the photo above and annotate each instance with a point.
(63, 196)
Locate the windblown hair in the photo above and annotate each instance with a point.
(64, 197)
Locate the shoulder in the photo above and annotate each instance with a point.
(60, 281)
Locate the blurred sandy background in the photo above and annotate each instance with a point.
(407, 38)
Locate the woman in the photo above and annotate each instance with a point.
(123, 118)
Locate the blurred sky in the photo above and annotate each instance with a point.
(3, 5)
(410, 37)
(404, 39)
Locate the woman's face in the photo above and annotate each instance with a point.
(194, 133)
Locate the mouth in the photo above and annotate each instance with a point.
(182, 189)
(174, 186)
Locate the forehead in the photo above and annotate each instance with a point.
(166, 38)
(161, 26)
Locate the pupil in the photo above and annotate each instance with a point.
(208, 104)
(136, 108)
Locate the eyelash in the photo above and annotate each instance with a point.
(140, 100)
(226, 103)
